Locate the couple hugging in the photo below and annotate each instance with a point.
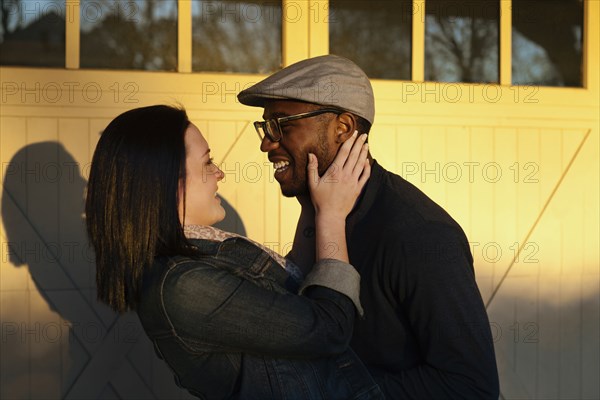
(377, 298)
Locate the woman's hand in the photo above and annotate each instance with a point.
(335, 193)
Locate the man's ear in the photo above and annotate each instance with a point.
(345, 127)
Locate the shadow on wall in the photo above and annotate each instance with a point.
(57, 340)
(546, 337)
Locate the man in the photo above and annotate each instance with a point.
(425, 333)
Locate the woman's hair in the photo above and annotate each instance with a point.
(132, 199)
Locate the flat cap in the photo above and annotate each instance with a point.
(326, 80)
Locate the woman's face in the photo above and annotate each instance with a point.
(202, 205)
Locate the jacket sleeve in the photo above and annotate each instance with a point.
(439, 295)
(211, 309)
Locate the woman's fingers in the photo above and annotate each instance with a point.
(366, 172)
(336, 191)
(352, 157)
(362, 156)
(342, 155)
(313, 171)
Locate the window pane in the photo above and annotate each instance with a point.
(236, 36)
(32, 33)
(376, 35)
(547, 42)
(136, 34)
(461, 40)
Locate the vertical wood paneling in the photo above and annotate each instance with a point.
(44, 347)
(433, 153)
(382, 145)
(547, 363)
(548, 323)
(544, 314)
(247, 170)
(408, 153)
(42, 191)
(523, 329)
(74, 138)
(456, 180)
(142, 354)
(570, 336)
(96, 126)
(15, 357)
(502, 315)
(12, 139)
(221, 137)
(590, 332)
(589, 169)
(550, 240)
(530, 202)
(486, 252)
(505, 227)
(575, 217)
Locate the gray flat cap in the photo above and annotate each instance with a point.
(327, 80)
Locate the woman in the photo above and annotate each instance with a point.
(221, 310)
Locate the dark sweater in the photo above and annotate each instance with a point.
(425, 334)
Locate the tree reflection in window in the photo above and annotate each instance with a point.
(376, 35)
(133, 34)
(236, 36)
(32, 33)
(547, 41)
(461, 40)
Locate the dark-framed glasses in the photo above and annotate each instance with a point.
(271, 128)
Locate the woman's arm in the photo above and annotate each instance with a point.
(213, 310)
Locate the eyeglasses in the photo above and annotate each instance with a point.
(271, 128)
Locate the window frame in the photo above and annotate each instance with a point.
(300, 41)
(554, 96)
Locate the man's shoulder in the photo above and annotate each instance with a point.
(405, 206)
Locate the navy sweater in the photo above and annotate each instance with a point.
(425, 334)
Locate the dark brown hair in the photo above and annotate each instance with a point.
(132, 199)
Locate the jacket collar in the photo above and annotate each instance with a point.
(242, 252)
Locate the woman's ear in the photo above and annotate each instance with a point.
(345, 127)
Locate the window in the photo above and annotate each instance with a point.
(140, 34)
(236, 36)
(377, 35)
(32, 33)
(461, 41)
(547, 42)
(461, 37)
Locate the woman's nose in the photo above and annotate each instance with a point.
(220, 174)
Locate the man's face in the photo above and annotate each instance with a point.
(300, 137)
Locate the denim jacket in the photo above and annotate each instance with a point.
(230, 326)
